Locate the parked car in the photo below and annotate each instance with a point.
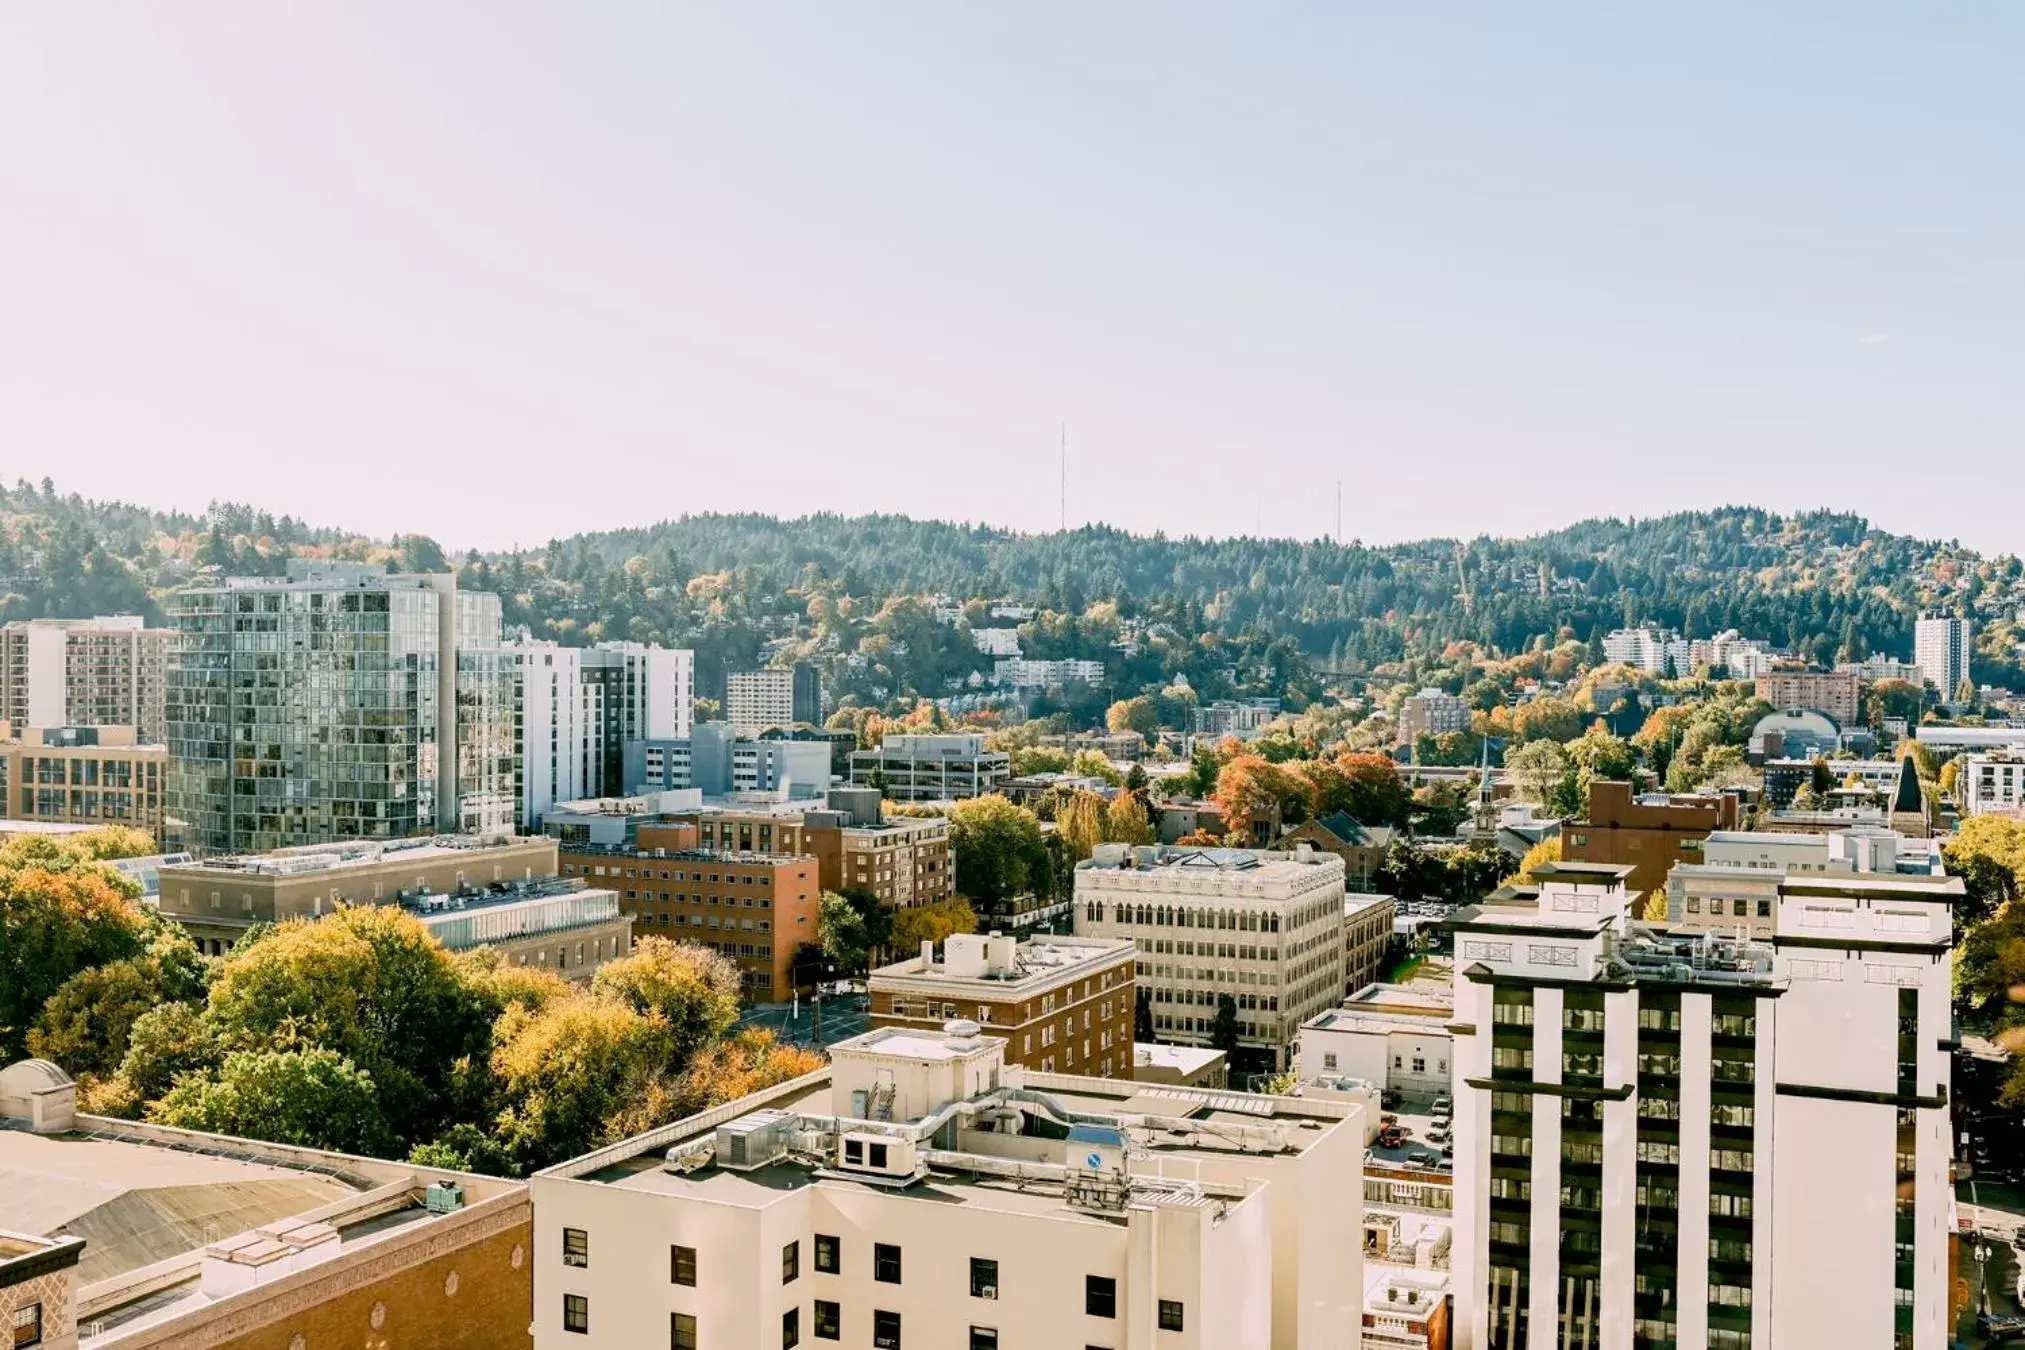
(1424, 1157)
(1391, 1137)
(1443, 1104)
(1438, 1135)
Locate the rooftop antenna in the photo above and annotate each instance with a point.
(1065, 477)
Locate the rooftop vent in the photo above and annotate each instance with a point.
(754, 1141)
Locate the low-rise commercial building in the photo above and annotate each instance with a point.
(218, 899)
(718, 762)
(1991, 785)
(1059, 1003)
(1367, 939)
(1182, 1065)
(1392, 1035)
(1264, 931)
(1648, 833)
(924, 768)
(919, 1191)
(1405, 1308)
(129, 1236)
(755, 909)
(81, 776)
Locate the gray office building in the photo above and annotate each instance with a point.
(338, 703)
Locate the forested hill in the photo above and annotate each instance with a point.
(1820, 582)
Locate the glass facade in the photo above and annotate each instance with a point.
(305, 711)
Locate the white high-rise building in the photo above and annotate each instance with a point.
(649, 696)
(562, 716)
(1703, 1142)
(1941, 651)
(1649, 649)
(919, 1192)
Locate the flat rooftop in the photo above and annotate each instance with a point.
(353, 855)
(1041, 957)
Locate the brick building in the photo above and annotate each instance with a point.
(1648, 833)
(753, 908)
(1061, 1004)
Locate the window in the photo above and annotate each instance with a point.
(577, 1314)
(682, 1266)
(984, 1338)
(1329, 1059)
(885, 1330)
(827, 1254)
(576, 1247)
(28, 1326)
(1100, 1296)
(1170, 1314)
(829, 1321)
(885, 1263)
(790, 1263)
(983, 1277)
(790, 1329)
(681, 1331)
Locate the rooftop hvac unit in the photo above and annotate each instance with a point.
(443, 1197)
(879, 1155)
(754, 1141)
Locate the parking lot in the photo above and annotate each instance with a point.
(1417, 1122)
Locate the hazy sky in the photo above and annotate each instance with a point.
(495, 271)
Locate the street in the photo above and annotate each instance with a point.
(842, 1017)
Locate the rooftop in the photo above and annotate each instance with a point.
(1183, 1059)
(351, 855)
(715, 855)
(1036, 960)
(941, 1117)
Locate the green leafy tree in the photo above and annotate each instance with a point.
(566, 1070)
(1079, 824)
(370, 984)
(845, 941)
(463, 1148)
(312, 1097)
(1138, 714)
(163, 1045)
(692, 987)
(932, 923)
(1223, 1028)
(58, 916)
(1544, 776)
(86, 1024)
(997, 848)
(1126, 821)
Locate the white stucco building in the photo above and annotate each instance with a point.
(1266, 929)
(1699, 1142)
(918, 1192)
(1386, 1034)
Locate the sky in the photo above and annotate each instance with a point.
(497, 272)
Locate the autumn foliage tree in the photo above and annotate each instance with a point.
(59, 914)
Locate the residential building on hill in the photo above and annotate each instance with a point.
(106, 671)
(130, 1236)
(920, 1191)
(1941, 649)
(1242, 718)
(1264, 930)
(1431, 712)
(81, 776)
(1738, 657)
(942, 766)
(1876, 667)
(1658, 650)
(1832, 692)
(756, 700)
(1020, 673)
(1648, 833)
(1058, 1003)
(340, 703)
(1656, 1133)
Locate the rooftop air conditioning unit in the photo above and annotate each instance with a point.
(882, 1155)
(754, 1141)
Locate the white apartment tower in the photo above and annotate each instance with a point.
(919, 1192)
(1675, 1140)
(1941, 651)
(107, 671)
(562, 717)
(1264, 929)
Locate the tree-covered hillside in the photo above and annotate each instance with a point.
(851, 592)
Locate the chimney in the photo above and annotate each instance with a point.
(927, 952)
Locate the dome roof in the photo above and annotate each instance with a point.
(32, 1075)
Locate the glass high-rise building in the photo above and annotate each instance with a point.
(339, 703)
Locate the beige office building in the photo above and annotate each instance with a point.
(107, 671)
(81, 775)
(1265, 929)
(471, 891)
(1059, 1003)
(921, 1192)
